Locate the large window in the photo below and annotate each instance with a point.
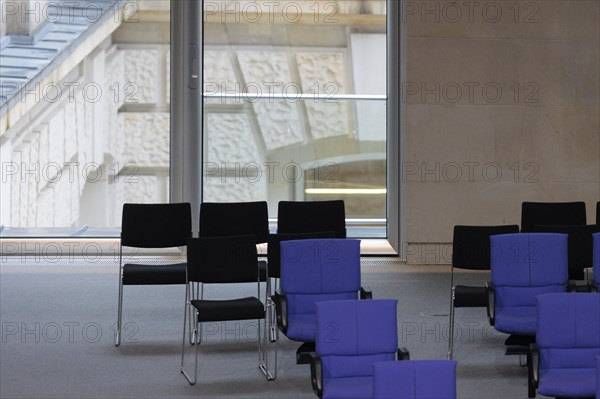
(84, 108)
(295, 99)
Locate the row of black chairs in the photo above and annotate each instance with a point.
(151, 226)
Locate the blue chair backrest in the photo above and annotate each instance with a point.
(596, 260)
(317, 270)
(598, 376)
(528, 264)
(354, 334)
(415, 379)
(568, 330)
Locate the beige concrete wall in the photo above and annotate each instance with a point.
(502, 106)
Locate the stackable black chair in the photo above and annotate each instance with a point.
(223, 260)
(552, 214)
(312, 216)
(152, 226)
(579, 246)
(471, 251)
(224, 219)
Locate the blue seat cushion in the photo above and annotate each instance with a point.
(573, 383)
(516, 320)
(302, 327)
(348, 388)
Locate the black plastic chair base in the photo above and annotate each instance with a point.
(518, 344)
(520, 340)
(303, 353)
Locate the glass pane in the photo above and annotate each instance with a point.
(295, 105)
(85, 116)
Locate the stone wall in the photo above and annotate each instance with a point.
(502, 106)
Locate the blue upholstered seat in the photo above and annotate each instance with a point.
(524, 266)
(351, 336)
(415, 379)
(567, 345)
(312, 271)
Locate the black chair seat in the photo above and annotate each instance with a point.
(467, 296)
(231, 309)
(134, 274)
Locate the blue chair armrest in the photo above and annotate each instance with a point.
(280, 302)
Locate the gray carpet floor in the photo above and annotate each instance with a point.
(58, 322)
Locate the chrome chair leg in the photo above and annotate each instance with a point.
(120, 300)
(197, 344)
(451, 328)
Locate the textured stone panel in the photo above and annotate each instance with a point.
(230, 139)
(141, 69)
(62, 202)
(43, 154)
(168, 75)
(84, 135)
(33, 181)
(146, 138)
(114, 87)
(218, 72)
(267, 72)
(56, 131)
(15, 193)
(230, 190)
(378, 7)
(144, 190)
(323, 74)
(45, 208)
(70, 131)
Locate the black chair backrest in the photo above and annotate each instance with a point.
(222, 259)
(552, 213)
(221, 219)
(156, 225)
(274, 254)
(311, 216)
(471, 245)
(598, 213)
(580, 246)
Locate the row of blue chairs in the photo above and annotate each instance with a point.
(528, 298)
(355, 352)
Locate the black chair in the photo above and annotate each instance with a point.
(152, 226)
(312, 216)
(223, 260)
(598, 220)
(580, 250)
(224, 219)
(471, 251)
(552, 214)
